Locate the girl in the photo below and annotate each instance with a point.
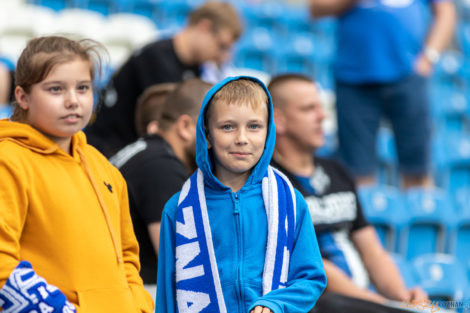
(63, 206)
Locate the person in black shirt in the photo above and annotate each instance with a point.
(350, 248)
(157, 165)
(211, 31)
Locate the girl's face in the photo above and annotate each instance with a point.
(61, 104)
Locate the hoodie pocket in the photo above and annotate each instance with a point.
(116, 300)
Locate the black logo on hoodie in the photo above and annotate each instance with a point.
(110, 188)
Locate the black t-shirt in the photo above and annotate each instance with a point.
(153, 174)
(114, 126)
(336, 212)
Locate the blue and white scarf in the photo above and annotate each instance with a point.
(26, 292)
(198, 287)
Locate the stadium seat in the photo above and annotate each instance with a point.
(383, 207)
(81, 22)
(451, 158)
(103, 7)
(442, 276)
(266, 15)
(5, 111)
(406, 269)
(460, 237)
(149, 8)
(56, 5)
(16, 28)
(431, 220)
(387, 172)
(297, 54)
(137, 29)
(255, 51)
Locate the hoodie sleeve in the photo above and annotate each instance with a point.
(130, 253)
(13, 210)
(306, 279)
(166, 288)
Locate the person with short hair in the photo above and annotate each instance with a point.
(149, 107)
(352, 253)
(237, 237)
(211, 31)
(66, 238)
(157, 164)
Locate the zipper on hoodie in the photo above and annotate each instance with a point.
(236, 212)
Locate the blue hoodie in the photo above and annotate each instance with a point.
(239, 232)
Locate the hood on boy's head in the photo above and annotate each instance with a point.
(203, 155)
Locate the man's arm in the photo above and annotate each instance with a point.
(321, 8)
(439, 36)
(154, 233)
(339, 282)
(381, 268)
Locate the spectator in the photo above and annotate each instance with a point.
(211, 31)
(238, 237)
(156, 166)
(386, 52)
(64, 212)
(349, 245)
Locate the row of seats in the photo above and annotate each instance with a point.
(442, 276)
(419, 221)
(120, 33)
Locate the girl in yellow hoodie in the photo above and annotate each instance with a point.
(66, 238)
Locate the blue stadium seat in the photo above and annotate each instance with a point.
(442, 276)
(451, 158)
(460, 243)
(383, 207)
(267, 15)
(297, 19)
(387, 172)
(406, 269)
(297, 54)
(56, 5)
(5, 111)
(174, 13)
(255, 51)
(152, 9)
(431, 220)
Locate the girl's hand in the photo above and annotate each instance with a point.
(261, 309)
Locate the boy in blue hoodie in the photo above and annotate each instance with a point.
(238, 237)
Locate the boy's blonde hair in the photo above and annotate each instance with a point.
(238, 92)
(221, 14)
(42, 54)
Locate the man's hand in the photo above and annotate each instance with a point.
(417, 294)
(423, 66)
(261, 309)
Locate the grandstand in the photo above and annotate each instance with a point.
(279, 37)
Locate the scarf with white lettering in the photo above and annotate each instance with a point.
(26, 292)
(198, 287)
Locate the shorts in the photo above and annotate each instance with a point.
(405, 104)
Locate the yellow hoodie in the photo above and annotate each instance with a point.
(68, 215)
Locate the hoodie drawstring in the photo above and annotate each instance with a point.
(102, 204)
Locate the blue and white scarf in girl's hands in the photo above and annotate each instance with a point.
(26, 292)
(198, 287)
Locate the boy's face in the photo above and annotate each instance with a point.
(237, 134)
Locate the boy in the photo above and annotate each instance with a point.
(238, 237)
